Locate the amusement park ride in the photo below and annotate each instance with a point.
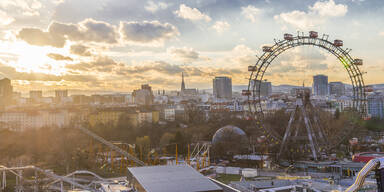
(46, 180)
(313, 136)
(303, 129)
(313, 132)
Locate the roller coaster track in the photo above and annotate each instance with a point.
(45, 172)
(111, 145)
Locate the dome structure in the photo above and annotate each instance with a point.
(229, 132)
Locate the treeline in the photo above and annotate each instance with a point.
(67, 149)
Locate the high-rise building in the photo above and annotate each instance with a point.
(37, 94)
(376, 105)
(61, 95)
(336, 88)
(143, 96)
(264, 87)
(320, 85)
(222, 88)
(6, 91)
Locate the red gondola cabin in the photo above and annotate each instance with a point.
(267, 48)
(358, 61)
(338, 43)
(252, 68)
(288, 37)
(246, 92)
(368, 88)
(313, 34)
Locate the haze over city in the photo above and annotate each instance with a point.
(117, 45)
(191, 95)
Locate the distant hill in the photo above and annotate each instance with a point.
(378, 86)
(277, 88)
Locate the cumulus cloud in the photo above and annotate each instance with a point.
(251, 12)
(147, 32)
(23, 7)
(193, 14)
(59, 57)
(316, 14)
(221, 26)
(38, 37)
(184, 54)
(329, 8)
(153, 6)
(243, 55)
(88, 30)
(80, 50)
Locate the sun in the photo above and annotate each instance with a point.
(33, 59)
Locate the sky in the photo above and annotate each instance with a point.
(117, 45)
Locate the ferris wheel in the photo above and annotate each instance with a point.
(257, 72)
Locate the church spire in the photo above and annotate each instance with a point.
(182, 82)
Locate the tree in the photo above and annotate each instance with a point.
(337, 113)
(144, 144)
(166, 139)
(181, 141)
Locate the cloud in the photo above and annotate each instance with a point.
(23, 7)
(147, 69)
(184, 54)
(98, 64)
(193, 14)
(153, 7)
(316, 15)
(88, 30)
(381, 33)
(252, 13)
(158, 66)
(317, 66)
(80, 50)
(170, 70)
(59, 57)
(221, 26)
(10, 72)
(243, 55)
(5, 19)
(147, 32)
(38, 37)
(329, 9)
(299, 60)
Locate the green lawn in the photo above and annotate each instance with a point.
(228, 178)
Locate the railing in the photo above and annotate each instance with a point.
(372, 165)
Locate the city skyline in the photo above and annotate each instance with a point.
(117, 45)
(181, 89)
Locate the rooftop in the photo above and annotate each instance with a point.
(172, 178)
